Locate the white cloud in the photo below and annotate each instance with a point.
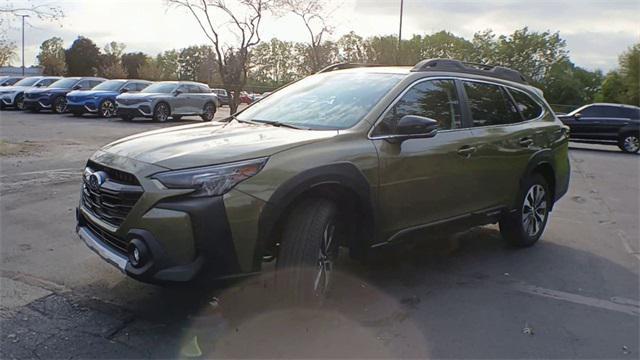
(596, 31)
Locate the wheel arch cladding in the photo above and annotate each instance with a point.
(342, 183)
(542, 163)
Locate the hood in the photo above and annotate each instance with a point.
(211, 143)
(84, 93)
(140, 95)
(45, 90)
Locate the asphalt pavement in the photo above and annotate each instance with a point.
(573, 295)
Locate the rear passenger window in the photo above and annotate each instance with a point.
(194, 89)
(141, 86)
(435, 99)
(490, 105)
(528, 107)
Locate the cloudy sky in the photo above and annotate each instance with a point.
(595, 31)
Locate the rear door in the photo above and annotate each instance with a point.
(502, 143)
(423, 181)
(180, 103)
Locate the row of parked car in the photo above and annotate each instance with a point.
(124, 98)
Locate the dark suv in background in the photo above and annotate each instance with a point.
(53, 97)
(606, 123)
(352, 157)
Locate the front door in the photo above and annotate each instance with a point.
(423, 181)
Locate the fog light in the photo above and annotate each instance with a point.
(138, 253)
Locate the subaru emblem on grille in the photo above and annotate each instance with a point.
(96, 179)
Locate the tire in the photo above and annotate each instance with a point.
(629, 143)
(522, 227)
(107, 109)
(305, 261)
(59, 105)
(208, 112)
(176, 117)
(19, 101)
(161, 112)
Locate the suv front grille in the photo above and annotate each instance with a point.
(115, 242)
(114, 198)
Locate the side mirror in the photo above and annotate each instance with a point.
(414, 127)
(77, 87)
(177, 92)
(124, 90)
(577, 115)
(39, 85)
(4, 84)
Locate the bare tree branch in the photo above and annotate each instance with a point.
(244, 18)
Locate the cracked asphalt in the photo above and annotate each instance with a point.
(573, 295)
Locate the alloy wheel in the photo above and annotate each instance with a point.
(107, 109)
(208, 112)
(326, 257)
(20, 102)
(162, 113)
(534, 210)
(631, 143)
(61, 105)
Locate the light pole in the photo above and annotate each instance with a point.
(23, 16)
(400, 32)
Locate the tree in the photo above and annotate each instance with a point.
(52, 57)
(623, 84)
(8, 10)
(567, 84)
(82, 58)
(313, 15)
(630, 71)
(131, 62)
(110, 62)
(352, 48)
(243, 19)
(197, 63)
(151, 70)
(531, 53)
(169, 64)
(7, 52)
(273, 63)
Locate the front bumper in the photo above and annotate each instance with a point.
(8, 99)
(88, 106)
(142, 110)
(37, 104)
(182, 233)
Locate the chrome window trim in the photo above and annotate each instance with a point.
(418, 81)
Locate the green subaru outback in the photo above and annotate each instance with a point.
(354, 157)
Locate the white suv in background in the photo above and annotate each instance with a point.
(13, 96)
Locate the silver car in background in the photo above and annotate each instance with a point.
(169, 99)
(13, 96)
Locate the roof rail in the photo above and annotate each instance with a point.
(470, 68)
(343, 66)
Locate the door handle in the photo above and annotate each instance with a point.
(466, 151)
(526, 142)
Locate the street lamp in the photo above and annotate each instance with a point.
(22, 16)
(400, 32)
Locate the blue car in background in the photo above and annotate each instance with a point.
(53, 97)
(101, 100)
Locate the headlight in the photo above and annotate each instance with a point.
(211, 180)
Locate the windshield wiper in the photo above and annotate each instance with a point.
(281, 124)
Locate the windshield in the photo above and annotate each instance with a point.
(110, 85)
(162, 88)
(335, 100)
(64, 83)
(27, 82)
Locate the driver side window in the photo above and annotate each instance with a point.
(435, 99)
